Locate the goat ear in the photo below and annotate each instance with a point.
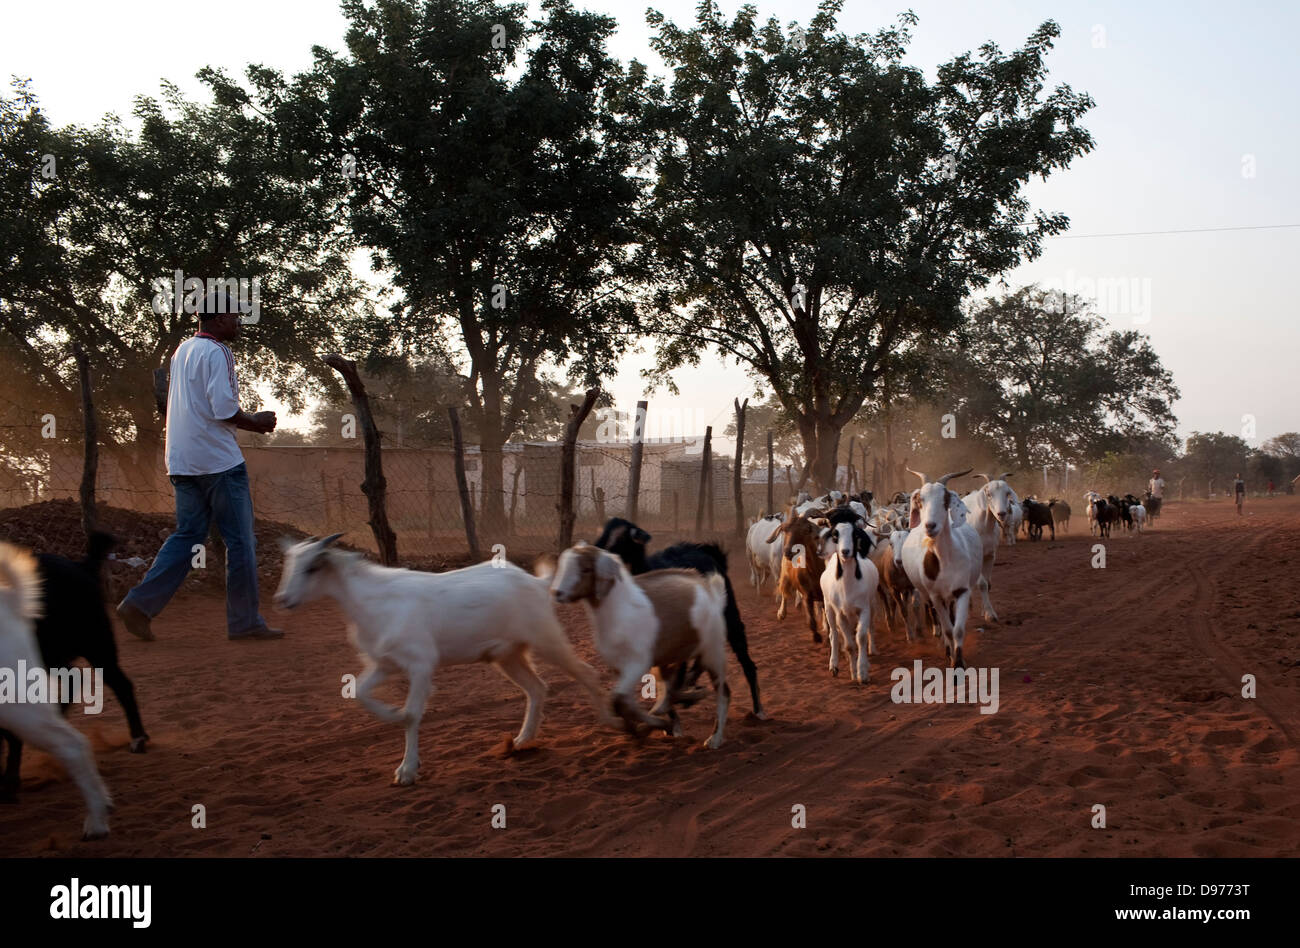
(914, 519)
(640, 536)
(286, 544)
(607, 573)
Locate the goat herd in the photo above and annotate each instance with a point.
(920, 557)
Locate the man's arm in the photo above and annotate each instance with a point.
(262, 422)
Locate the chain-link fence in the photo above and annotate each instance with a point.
(316, 489)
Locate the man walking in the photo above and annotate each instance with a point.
(1155, 494)
(208, 475)
(1239, 492)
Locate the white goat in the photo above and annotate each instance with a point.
(1014, 520)
(415, 623)
(40, 723)
(664, 618)
(764, 557)
(1139, 515)
(990, 516)
(1092, 497)
(849, 582)
(942, 560)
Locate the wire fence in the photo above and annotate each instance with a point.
(514, 493)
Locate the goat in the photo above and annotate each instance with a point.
(1060, 513)
(896, 590)
(39, 723)
(1122, 516)
(628, 542)
(990, 516)
(1038, 516)
(943, 560)
(74, 624)
(416, 623)
(801, 567)
(759, 551)
(1139, 514)
(1103, 514)
(662, 618)
(1089, 497)
(848, 590)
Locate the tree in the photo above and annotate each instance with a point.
(820, 207)
(1037, 374)
(491, 180)
(1285, 445)
(205, 188)
(1215, 457)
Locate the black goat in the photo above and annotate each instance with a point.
(75, 624)
(1105, 515)
(1037, 516)
(628, 542)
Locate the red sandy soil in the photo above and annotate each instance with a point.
(1119, 686)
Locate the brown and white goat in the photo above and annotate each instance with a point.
(664, 618)
(801, 565)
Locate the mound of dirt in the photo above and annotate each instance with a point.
(54, 526)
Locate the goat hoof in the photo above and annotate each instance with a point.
(139, 744)
(93, 830)
(817, 639)
(759, 714)
(403, 779)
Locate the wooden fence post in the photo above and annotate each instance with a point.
(703, 499)
(462, 484)
(514, 492)
(736, 480)
(770, 508)
(90, 439)
(577, 415)
(429, 482)
(375, 487)
(634, 468)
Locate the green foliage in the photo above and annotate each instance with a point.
(1044, 380)
(820, 208)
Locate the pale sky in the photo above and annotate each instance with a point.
(1196, 126)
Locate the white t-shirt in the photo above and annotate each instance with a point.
(1157, 487)
(202, 393)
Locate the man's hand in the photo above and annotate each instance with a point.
(263, 421)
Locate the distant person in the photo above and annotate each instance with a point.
(1155, 493)
(1239, 492)
(208, 475)
(1270, 488)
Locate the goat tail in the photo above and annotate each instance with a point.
(20, 582)
(544, 567)
(97, 548)
(715, 588)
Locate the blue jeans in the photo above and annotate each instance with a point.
(200, 499)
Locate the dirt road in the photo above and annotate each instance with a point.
(1119, 686)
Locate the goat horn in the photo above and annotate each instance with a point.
(924, 480)
(330, 539)
(985, 476)
(947, 477)
(1003, 477)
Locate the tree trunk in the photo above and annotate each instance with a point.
(375, 486)
(492, 478)
(577, 415)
